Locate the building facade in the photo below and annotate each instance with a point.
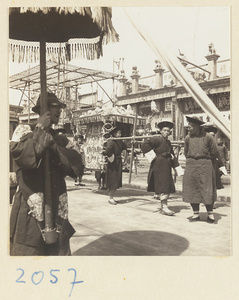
(161, 96)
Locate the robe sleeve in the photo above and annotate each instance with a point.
(186, 146)
(109, 150)
(174, 159)
(68, 159)
(150, 144)
(28, 146)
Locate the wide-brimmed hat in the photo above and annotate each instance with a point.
(209, 127)
(108, 130)
(165, 124)
(51, 100)
(195, 120)
(109, 133)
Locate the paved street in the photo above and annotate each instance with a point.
(135, 226)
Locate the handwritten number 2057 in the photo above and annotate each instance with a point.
(37, 278)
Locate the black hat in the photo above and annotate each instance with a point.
(195, 120)
(108, 129)
(51, 100)
(110, 132)
(165, 124)
(209, 127)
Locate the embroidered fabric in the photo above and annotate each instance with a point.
(13, 179)
(35, 202)
(63, 206)
(20, 131)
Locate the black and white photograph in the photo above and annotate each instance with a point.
(119, 149)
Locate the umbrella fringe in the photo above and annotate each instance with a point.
(29, 52)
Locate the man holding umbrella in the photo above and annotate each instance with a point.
(28, 147)
(90, 28)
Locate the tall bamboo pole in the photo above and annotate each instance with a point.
(49, 232)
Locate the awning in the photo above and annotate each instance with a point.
(103, 118)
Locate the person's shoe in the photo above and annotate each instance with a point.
(81, 184)
(103, 188)
(211, 221)
(77, 184)
(194, 219)
(167, 212)
(112, 201)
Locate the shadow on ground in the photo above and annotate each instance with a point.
(75, 188)
(129, 200)
(125, 192)
(136, 243)
(178, 208)
(217, 216)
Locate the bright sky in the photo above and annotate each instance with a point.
(190, 29)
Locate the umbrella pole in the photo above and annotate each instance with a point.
(49, 233)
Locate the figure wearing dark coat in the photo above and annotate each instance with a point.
(114, 169)
(28, 146)
(199, 181)
(223, 152)
(160, 173)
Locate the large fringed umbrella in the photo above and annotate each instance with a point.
(83, 30)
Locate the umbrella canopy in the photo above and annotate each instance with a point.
(59, 24)
(83, 30)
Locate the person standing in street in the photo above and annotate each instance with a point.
(159, 151)
(199, 181)
(27, 221)
(78, 146)
(223, 151)
(210, 128)
(113, 151)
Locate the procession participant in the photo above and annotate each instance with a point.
(100, 178)
(28, 145)
(80, 161)
(210, 128)
(76, 158)
(101, 174)
(223, 151)
(199, 181)
(113, 151)
(159, 151)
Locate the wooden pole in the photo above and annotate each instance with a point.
(29, 95)
(43, 76)
(141, 137)
(49, 233)
(28, 106)
(132, 149)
